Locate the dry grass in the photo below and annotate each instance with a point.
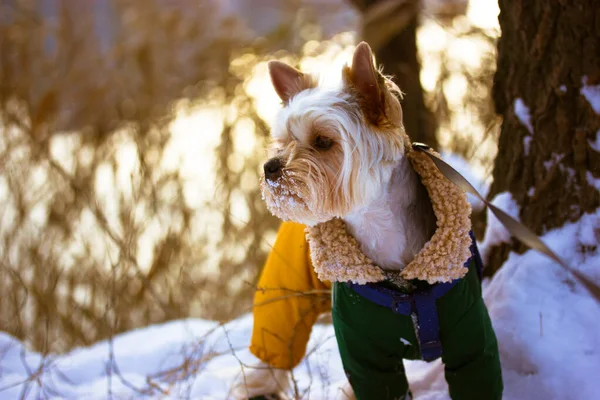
(74, 217)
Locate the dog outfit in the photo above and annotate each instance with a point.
(432, 307)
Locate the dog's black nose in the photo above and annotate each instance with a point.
(272, 169)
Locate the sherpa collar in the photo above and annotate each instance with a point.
(336, 255)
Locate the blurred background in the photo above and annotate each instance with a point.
(133, 136)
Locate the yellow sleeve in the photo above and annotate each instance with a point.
(288, 300)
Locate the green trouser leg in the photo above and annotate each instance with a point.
(371, 345)
(373, 341)
(469, 347)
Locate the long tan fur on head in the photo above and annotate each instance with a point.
(337, 145)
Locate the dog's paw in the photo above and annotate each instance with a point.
(261, 382)
(345, 392)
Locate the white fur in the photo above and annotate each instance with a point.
(368, 158)
(261, 380)
(393, 228)
(385, 206)
(345, 392)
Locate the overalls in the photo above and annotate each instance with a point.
(376, 328)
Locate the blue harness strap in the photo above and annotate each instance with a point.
(420, 303)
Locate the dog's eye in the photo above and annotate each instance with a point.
(323, 142)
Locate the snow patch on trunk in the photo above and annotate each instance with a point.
(591, 94)
(594, 182)
(554, 159)
(523, 114)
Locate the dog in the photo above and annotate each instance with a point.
(339, 154)
(342, 164)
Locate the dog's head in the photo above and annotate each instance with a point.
(333, 148)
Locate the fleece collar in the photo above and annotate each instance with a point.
(336, 255)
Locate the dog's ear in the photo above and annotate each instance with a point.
(288, 81)
(365, 82)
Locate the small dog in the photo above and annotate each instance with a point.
(339, 153)
(342, 165)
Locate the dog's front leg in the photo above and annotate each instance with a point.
(262, 380)
(346, 392)
(370, 339)
(470, 349)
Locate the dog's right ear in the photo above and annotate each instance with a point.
(288, 81)
(366, 83)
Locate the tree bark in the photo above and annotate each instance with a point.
(547, 51)
(397, 53)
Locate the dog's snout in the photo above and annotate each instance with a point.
(272, 169)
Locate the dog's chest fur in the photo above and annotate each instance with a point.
(395, 226)
(337, 255)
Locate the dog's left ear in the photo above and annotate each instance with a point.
(288, 81)
(363, 79)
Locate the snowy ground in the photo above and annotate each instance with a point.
(548, 329)
(547, 325)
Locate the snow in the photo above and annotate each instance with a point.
(554, 159)
(523, 114)
(591, 94)
(524, 117)
(148, 352)
(546, 325)
(594, 182)
(273, 184)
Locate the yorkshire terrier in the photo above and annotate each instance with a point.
(339, 152)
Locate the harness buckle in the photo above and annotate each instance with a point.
(402, 304)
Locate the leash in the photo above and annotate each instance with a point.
(514, 227)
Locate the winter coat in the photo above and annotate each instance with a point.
(283, 316)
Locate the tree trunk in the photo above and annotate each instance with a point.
(396, 50)
(549, 52)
